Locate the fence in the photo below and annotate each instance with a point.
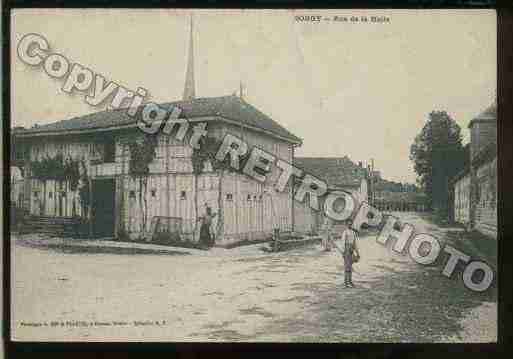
(400, 206)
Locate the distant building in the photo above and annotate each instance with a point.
(404, 201)
(474, 190)
(340, 173)
(397, 196)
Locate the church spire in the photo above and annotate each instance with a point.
(189, 92)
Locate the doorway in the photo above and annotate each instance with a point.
(103, 207)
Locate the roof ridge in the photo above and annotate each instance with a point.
(228, 106)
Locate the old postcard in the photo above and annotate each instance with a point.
(253, 175)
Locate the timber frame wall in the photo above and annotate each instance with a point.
(247, 209)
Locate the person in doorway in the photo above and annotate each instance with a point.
(206, 237)
(348, 247)
(213, 225)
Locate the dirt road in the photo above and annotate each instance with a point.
(240, 294)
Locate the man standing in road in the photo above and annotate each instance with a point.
(348, 247)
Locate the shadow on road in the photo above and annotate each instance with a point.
(70, 248)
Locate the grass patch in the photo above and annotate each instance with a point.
(420, 306)
(475, 245)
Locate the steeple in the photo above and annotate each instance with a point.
(189, 91)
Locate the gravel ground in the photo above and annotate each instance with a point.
(133, 292)
(479, 325)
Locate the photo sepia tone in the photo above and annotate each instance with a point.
(253, 175)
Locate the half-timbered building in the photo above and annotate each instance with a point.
(173, 195)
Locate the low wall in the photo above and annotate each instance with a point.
(283, 245)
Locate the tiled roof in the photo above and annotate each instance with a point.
(336, 171)
(229, 107)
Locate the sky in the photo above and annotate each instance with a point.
(360, 89)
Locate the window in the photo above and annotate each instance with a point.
(109, 155)
(132, 194)
(154, 193)
(183, 195)
(249, 198)
(36, 194)
(95, 152)
(229, 197)
(50, 194)
(20, 153)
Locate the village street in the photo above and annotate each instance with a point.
(156, 293)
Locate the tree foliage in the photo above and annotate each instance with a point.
(438, 155)
(142, 153)
(84, 190)
(205, 153)
(208, 147)
(57, 168)
(65, 170)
